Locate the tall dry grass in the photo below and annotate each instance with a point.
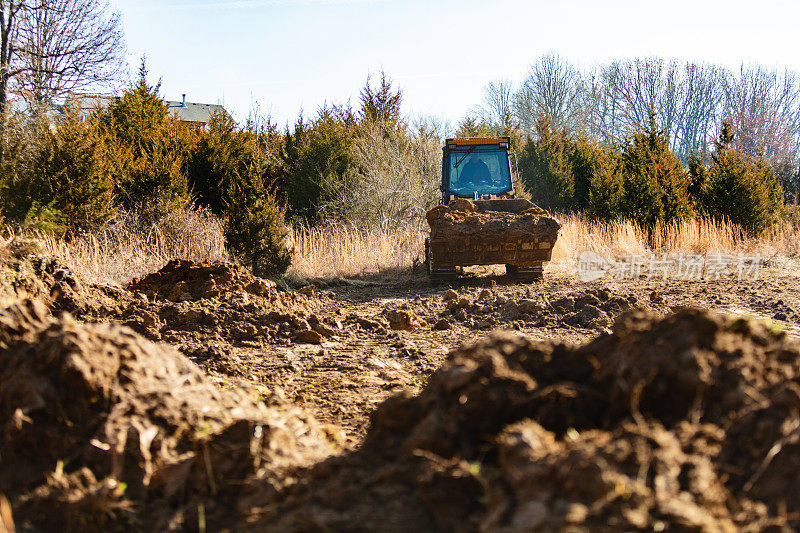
(139, 242)
(348, 250)
(133, 245)
(691, 236)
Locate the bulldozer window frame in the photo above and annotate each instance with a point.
(493, 156)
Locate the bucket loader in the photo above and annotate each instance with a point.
(480, 220)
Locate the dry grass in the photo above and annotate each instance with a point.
(135, 244)
(692, 236)
(348, 250)
(131, 247)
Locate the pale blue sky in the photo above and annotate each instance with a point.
(289, 55)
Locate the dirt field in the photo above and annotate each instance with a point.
(672, 418)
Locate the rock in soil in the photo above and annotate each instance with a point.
(449, 294)
(402, 319)
(442, 324)
(309, 336)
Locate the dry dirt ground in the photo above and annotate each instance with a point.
(379, 337)
(200, 397)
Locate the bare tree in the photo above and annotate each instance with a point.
(10, 14)
(496, 110)
(700, 109)
(552, 88)
(763, 107)
(51, 47)
(600, 106)
(68, 45)
(689, 100)
(685, 98)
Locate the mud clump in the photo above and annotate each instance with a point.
(593, 309)
(103, 430)
(403, 319)
(194, 305)
(686, 422)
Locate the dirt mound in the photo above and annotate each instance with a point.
(463, 219)
(686, 422)
(181, 280)
(203, 309)
(101, 429)
(27, 272)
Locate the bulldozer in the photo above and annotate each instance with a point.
(480, 220)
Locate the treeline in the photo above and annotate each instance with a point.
(637, 139)
(642, 179)
(74, 173)
(652, 140)
(609, 102)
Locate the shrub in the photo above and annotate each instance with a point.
(740, 188)
(255, 230)
(395, 180)
(73, 174)
(59, 178)
(546, 168)
(653, 180)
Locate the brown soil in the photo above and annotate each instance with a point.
(106, 430)
(639, 429)
(671, 421)
(461, 218)
(25, 272)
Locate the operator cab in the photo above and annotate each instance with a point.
(476, 168)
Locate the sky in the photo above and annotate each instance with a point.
(282, 57)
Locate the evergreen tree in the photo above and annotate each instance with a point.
(381, 104)
(654, 182)
(73, 173)
(604, 197)
(740, 188)
(222, 153)
(317, 158)
(228, 171)
(255, 230)
(546, 168)
(149, 146)
(588, 160)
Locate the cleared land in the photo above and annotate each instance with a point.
(200, 397)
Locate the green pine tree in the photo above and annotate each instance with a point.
(654, 182)
(149, 146)
(740, 188)
(546, 168)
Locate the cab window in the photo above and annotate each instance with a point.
(478, 169)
